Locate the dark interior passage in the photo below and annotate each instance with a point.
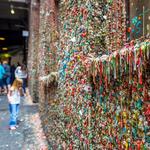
(14, 30)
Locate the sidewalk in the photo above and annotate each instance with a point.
(29, 135)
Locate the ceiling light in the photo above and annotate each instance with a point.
(2, 39)
(12, 9)
(4, 48)
(5, 55)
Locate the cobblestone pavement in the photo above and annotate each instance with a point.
(29, 135)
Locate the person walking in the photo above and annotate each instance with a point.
(2, 72)
(21, 73)
(14, 97)
(6, 77)
(12, 70)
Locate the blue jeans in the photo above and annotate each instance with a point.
(1, 83)
(6, 81)
(14, 110)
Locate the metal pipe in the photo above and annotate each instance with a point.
(23, 8)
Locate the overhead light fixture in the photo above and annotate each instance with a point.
(12, 9)
(2, 38)
(4, 48)
(5, 55)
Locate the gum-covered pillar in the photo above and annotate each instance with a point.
(33, 48)
(47, 54)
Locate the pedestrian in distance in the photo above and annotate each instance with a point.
(7, 76)
(14, 97)
(2, 72)
(21, 73)
(12, 70)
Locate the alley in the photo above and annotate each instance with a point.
(29, 132)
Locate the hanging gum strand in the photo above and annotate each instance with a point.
(135, 59)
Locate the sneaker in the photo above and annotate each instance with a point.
(19, 121)
(12, 128)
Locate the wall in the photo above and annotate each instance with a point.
(96, 105)
(90, 105)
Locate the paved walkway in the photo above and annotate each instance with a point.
(29, 135)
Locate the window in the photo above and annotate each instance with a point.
(138, 19)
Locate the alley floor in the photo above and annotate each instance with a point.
(29, 135)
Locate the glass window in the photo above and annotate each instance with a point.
(138, 19)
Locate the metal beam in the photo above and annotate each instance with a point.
(19, 1)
